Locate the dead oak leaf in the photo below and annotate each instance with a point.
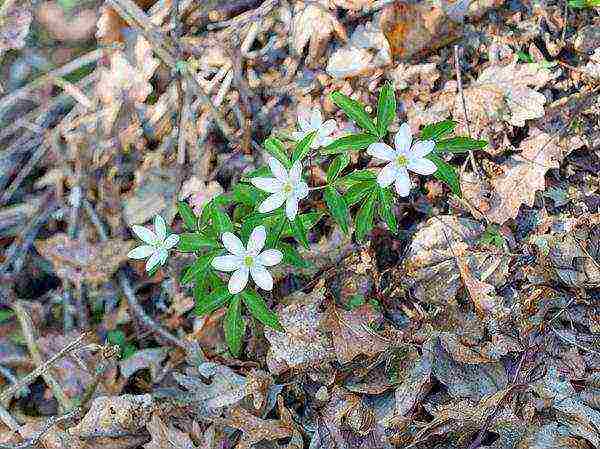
(79, 262)
(166, 436)
(351, 332)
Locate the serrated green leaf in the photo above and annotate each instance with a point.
(338, 165)
(192, 242)
(234, 326)
(299, 231)
(357, 176)
(436, 131)
(459, 145)
(386, 211)
(247, 194)
(352, 142)
(200, 265)
(355, 110)
(190, 221)
(259, 310)
(364, 217)
(276, 149)
(302, 148)
(358, 191)
(309, 220)
(446, 173)
(337, 206)
(276, 230)
(220, 220)
(386, 108)
(211, 302)
(291, 256)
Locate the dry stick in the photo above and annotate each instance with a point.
(183, 122)
(135, 17)
(128, 290)
(28, 333)
(30, 165)
(464, 104)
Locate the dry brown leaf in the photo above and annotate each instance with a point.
(354, 5)
(14, 27)
(352, 334)
(166, 436)
(302, 344)
(461, 352)
(80, 262)
(64, 26)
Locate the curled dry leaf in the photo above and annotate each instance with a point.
(14, 28)
(79, 262)
(166, 436)
(303, 344)
(352, 332)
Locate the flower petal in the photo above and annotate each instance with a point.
(304, 118)
(145, 235)
(257, 239)
(422, 166)
(295, 172)
(403, 138)
(298, 135)
(328, 127)
(291, 207)
(301, 190)
(321, 141)
(171, 241)
(422, 148)
(229, 262)
(270, 257)
(270, 185)
(316, 118)
(233, 244)
(141, 252)
(160, 227)
(381, 150)
(403, 184)
(154, 260)
(387, 175)
(238, 280)
(272, 202)
(278, 169)
(262, 277)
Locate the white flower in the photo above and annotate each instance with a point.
(286, 187)
(247, 261)
(313, 121)
(402, 159)
(157, 244)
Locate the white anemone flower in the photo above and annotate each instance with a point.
(313, 121)
(245, 261)
(286, 187)
(405, 157)
(157, 244)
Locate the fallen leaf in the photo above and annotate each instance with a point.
(63, 26)
(80, 262)
(352, 334)
(150, 359)
(198, 193)
(14, 28)
(166, 437)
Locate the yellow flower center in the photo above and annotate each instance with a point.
(401, 161)
(288, 188)
(248, 261)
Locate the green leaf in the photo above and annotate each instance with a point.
(309, 220)
(116, 337)
(276, 149)
(247, 194)
(234, 326)
(446, 173)
(200, 265)
(259, 310)
(352, 142)
(188, 216)
(299, 231)
(459, 145)
(212, 301)
(437, 130)
(364, 217)
(192, 242)
(302, 148)
(580, 4)
(7, 314)
(357, 176)
(386, 211)
(358, 191)
(354, 110)
(338, 207)
(261, 172)
(386, 108)
(275, 231)
(220, 220)
(291, 256)
(336, 167)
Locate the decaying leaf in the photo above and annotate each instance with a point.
(80, 262)
(155, 195)
(78, 25)
(198, 193)
(352, 332)
(166, 436)
(150, 359)
(302, 344)
(14, 27)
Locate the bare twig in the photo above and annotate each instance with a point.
(31, 163)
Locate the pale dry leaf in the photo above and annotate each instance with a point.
(166, 436)
(302, 344)
(349, 62)
(79, 25)
(198, 192)
(354, 5)
(460, 351)
(413, 382)
(352, 334)
(80, 262)
(150, 358)
(14, 27)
